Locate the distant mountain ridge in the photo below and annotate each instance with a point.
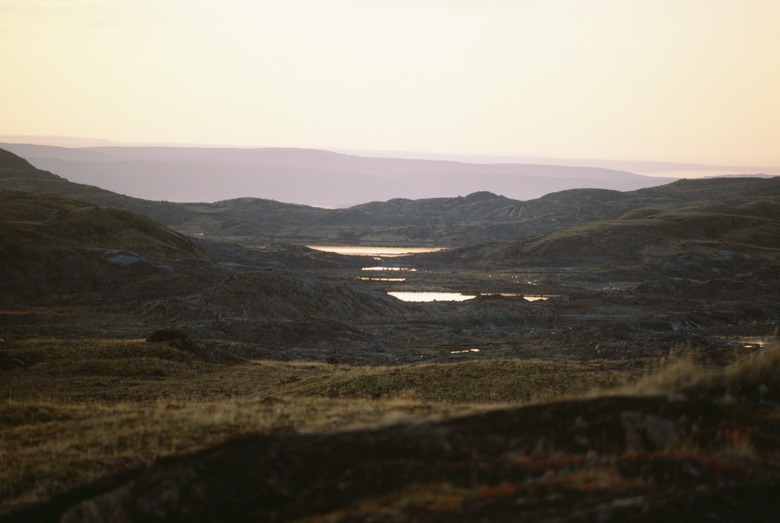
(477, 218)
(307, 176)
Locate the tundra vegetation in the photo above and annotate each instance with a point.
(166, 361)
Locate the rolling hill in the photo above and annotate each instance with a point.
(307, 176)
(477, 218)
(728, 240)
(62, 254)
(34, 224)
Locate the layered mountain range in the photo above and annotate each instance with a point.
(307, 176)
(480, 217)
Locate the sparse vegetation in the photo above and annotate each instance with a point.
(753, 378)
(123, 342)
(78, 409)
(490, 381)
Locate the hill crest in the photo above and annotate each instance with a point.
(307, 176)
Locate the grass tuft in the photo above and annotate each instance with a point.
(754, 378)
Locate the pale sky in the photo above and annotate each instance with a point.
(661, 80)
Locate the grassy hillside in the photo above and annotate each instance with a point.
(74, 409)
(642, 235)
(36, 226)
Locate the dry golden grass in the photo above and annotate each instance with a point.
(81, 409)
(486, 381)
(754, 378)
(49, 447)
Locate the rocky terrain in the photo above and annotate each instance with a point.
(165, 295)
(66, 254)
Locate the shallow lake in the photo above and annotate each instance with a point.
(410, 269)
(430, 296)
(449, 296)
(377, 252)
(380, 254)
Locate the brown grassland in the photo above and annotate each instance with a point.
(82, 409)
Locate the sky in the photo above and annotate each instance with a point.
(657, 80)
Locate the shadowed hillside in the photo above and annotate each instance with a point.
(477, 218)
(59, 252)
(34, 224)
(18, 175)
(647, 234)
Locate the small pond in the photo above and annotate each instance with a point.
(449, 296)
(376, 252)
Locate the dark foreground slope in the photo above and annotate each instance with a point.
(704, 445)
(607, 459)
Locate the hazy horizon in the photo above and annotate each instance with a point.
(665, 81)
(315, 177)
(652, 168)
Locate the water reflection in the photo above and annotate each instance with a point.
(536, 298)
(430, 296)
(751, 343)
(454, 296)
(528, 297)
(379, 252)
(410, 269)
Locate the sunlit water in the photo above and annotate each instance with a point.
(410, 269)
(377, 252)
(385, 269)
(447, 296)
(380, 254)
(430, 296)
